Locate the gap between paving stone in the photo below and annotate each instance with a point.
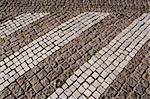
(54, 55)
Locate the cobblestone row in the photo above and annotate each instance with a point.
(36, 51)
(34, 83)
(133, 81)
(17, 40)
(10, 9)
(19, 22)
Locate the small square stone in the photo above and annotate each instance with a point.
(80, 79)
(104, 85)
(2, 68)
(91, 62)
(21, 72)
(78, 72)
(76, 84)
(83, 68)
(73, 78)
(87, 65)
(132, 54)
(94, 58)
(104, 57)
(96, 65)
(100, 62)
(108, 70)
(11, 56)
(68, 92)
(92, 88)
(81, 89)
(104, 74)
(6, 83)
(85, 85)
(100, 89)
(96, 94)
(103, 65)
(1, 80)
(95, 75)
(112, 76)
(88, 72)
(6, 60)
(107, 62)
(59, 91)
(26, 68)
(119, 69)
(54, 96)
(101, 52)
(7, 70)
(112, 67)
(2, 63)
(90, 80)
(76, 94)
(128, 58)
(72, 88)
(69, 81)
(108, 80)
(82, 97)
(92, 68)
(116, 63)
(64, 86)
(12, 73)
(98, 55)
(87, 93)
(96, 83)
(84, 75)
(100, 79)
(63, 96)
(37, 87)
(115, 72)
(99, 70)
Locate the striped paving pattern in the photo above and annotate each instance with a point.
(91, 80)
(31, 54)
(19, 22)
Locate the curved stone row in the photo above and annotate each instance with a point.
(80, 50)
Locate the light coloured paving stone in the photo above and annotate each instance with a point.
(19, 22)
(36, 51)
(107, 75)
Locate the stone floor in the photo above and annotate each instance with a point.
(75, 49)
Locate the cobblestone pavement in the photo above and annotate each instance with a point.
(74, 49)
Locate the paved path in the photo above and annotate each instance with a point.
(94, 76)
(74, 49)
(36, 51)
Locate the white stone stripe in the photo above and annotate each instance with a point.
(36, 51)
(94, 76)
(19, 22)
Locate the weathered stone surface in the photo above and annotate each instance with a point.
(107, 31)
(16, 89)
(30, 93)
(41, 74)
(49, 90)
(5, 93)
(37, 87)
